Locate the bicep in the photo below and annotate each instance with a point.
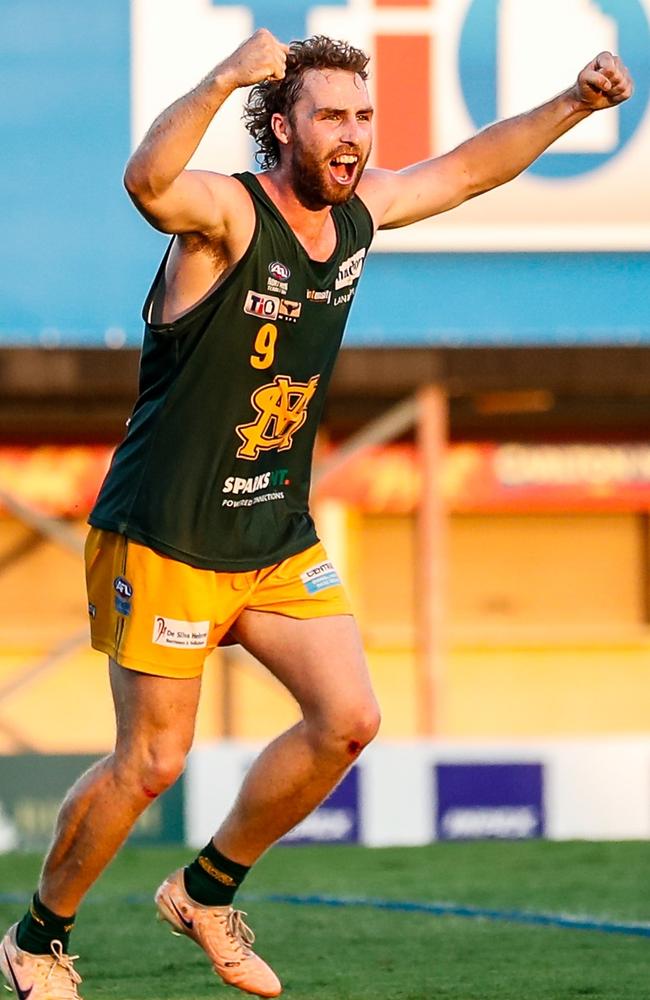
(197, 201)
(399, 198)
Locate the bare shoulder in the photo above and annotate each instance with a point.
(229, 195)
(214, 222)
(398, 198)
(228, 225)
(229, 210)
(235, 212)
(207, 248)
(214, 206)
(377, 190)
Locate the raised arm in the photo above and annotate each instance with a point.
(177, 200)
(494, 156)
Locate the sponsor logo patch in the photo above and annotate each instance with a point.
(350, 269)
(266, 306)
(314, 295)
(239, 484)
(179, 634)
(122, 587)
(290, 310)
(123, 594)
(279, 271)
(340, 300)
(279, 275)
(252, 501)
(320, 577)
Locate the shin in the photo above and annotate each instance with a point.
(155, 724)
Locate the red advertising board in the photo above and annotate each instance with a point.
(55, 480)
(503, 477)
(62, 481)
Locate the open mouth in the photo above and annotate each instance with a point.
(343, 167)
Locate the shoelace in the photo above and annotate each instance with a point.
(242, 934)
(67, 976)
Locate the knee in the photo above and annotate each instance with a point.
(161, 770)
(152, 768)
(363, 727)
(348, 731)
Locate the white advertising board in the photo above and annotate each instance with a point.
(468, 62)
(405, 794)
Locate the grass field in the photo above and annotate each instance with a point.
(365, 953)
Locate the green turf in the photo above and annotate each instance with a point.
(365, 954)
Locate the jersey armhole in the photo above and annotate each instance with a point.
(369, 219)
(148, 304)
(178, 324)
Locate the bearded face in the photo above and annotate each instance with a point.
(328, 132)
(325, 178)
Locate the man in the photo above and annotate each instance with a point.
(201, 533)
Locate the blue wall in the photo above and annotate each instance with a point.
(498, 298)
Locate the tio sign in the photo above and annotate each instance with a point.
(173, 46)
(536, 60)
(440, 71)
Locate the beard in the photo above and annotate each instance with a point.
(311, 180)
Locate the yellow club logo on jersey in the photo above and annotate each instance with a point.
(282, 410)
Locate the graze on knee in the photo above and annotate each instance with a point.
(149, 771)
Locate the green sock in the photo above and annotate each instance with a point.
(213, 879)
(40, 927)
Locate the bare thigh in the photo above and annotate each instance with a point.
(155, 716)
(319, 660)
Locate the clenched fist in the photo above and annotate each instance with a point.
(260, 57)
(604, 83)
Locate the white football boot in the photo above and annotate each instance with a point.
(38, 977)
(223, 935)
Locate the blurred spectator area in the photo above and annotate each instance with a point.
(546, 551)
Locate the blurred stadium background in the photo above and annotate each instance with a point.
(483, 474)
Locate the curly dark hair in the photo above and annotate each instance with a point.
(279, 96)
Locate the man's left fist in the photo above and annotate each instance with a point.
(604, 83)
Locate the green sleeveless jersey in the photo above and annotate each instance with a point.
(215, 468)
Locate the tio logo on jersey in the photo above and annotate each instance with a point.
(266, 306)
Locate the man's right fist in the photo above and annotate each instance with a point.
(260, 57)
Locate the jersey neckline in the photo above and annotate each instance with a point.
(321, 266)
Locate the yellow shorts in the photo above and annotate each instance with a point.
(160, 616)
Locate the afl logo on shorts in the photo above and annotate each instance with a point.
(123, 594)
(279, 271)
(122, 587)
